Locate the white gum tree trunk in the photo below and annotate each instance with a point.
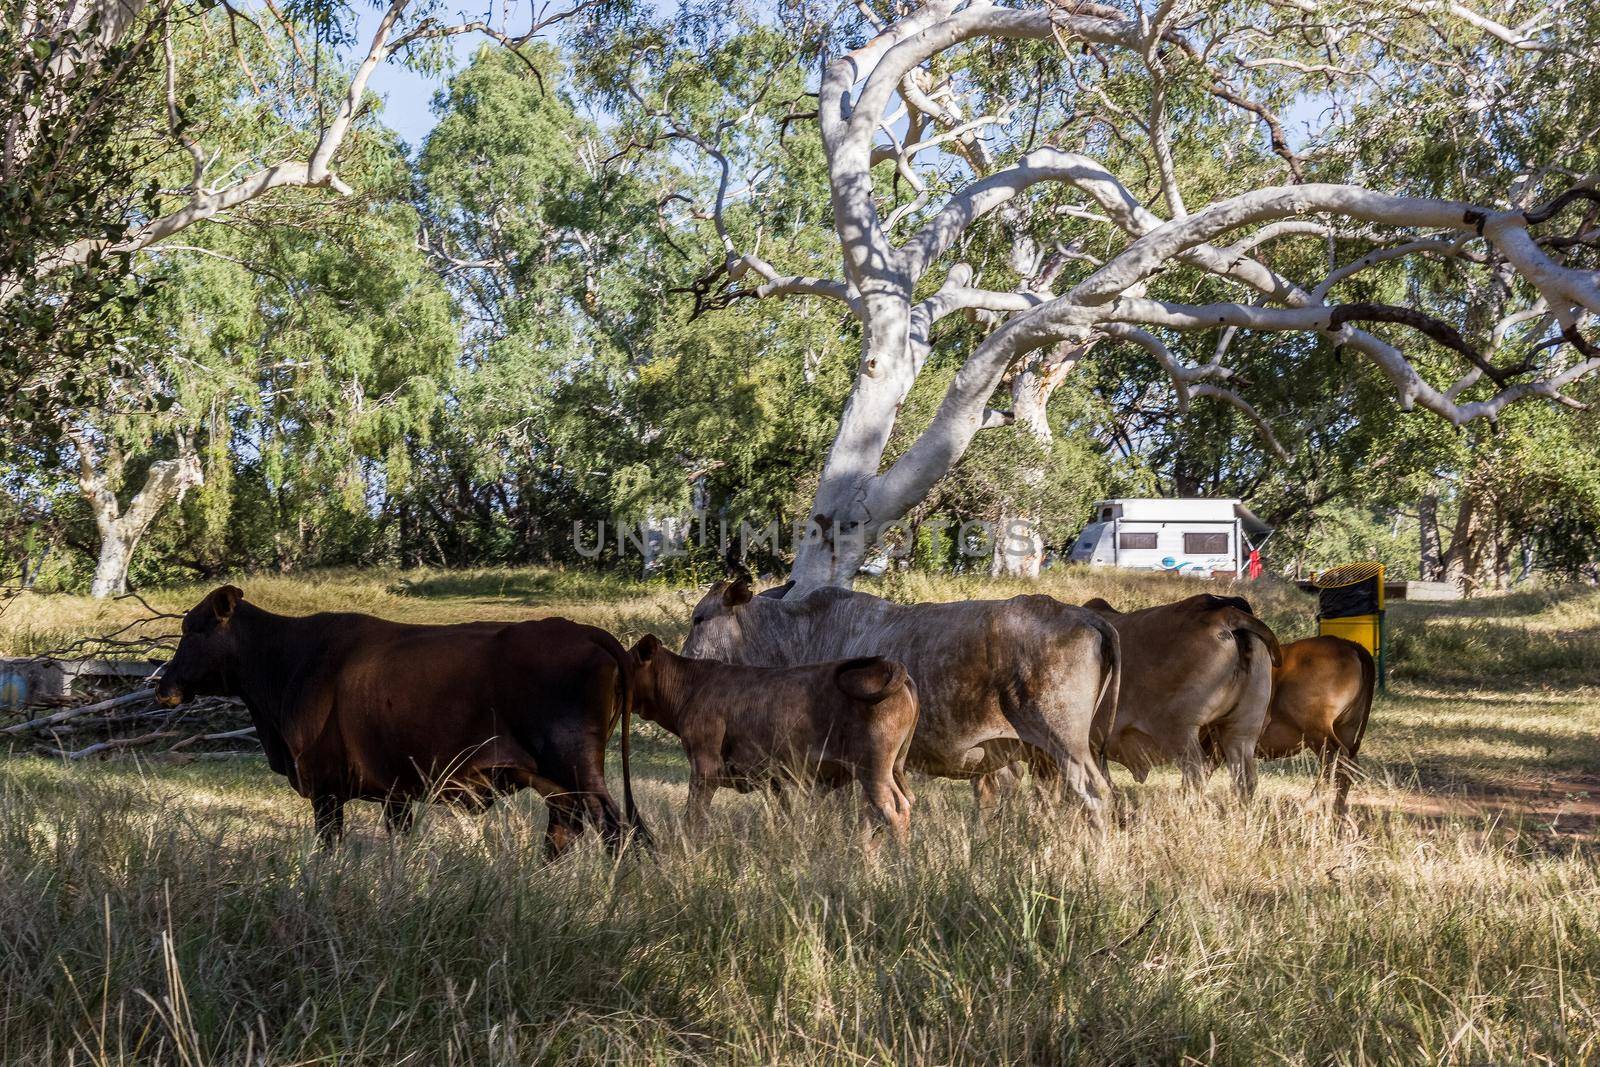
(1019, 539)
(166, 482)
(842, 525)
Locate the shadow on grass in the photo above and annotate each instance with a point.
(1467, 643)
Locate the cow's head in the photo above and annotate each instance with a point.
(206, 654)
(644, 676)
(715, 632)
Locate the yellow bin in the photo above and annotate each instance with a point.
(1350, 605)
(1364, 630)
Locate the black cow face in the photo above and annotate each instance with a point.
(207, 653)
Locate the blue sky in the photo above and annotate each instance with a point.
(408, 96)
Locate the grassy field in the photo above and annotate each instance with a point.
(182, 915)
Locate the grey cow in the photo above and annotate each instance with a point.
(1028, 678)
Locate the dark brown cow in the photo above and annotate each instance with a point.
(820, 724)
(1321, 698)
(350, 707)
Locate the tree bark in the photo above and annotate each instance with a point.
(1476, 559)
(1019, 537)
(111, 569)
(167, 481)
(843, 523)
(1432, 564)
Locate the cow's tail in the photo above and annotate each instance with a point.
(1242, 623)
(1105, 707)
(1362, 701)
(624, 716)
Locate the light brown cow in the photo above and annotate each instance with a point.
(1028, 678)
(1197, 678)
(1196, 683)
(822, 724)
(1321, 697)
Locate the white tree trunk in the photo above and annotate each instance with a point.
(111, 569)
(166, 482)
(1019, 541)
(843, 523)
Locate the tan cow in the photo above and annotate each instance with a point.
(1321, 697)
(820, 724)
(1196, 683)
(1028, 678)
(1197, 679)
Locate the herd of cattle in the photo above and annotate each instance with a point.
(773, 692)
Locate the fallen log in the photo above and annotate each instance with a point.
(72, 713)
(226, 735)
(119, 743)
(181, 758)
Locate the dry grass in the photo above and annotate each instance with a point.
(180, 915)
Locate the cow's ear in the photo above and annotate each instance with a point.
(644, 651)
(1102, 605)
(223, 601)
(736, 593)
(738, 572)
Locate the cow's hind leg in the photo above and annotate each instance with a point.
(1048, 721)
(577, 777)
(598, 807)
(1343, 775)
(572, 809)
(1239, 752)
(1050, 700)
(1240, 731)
(885, 804)
(327, 813)
(1194, 764)
(990, 790)
(1339, 757)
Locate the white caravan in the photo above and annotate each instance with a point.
(1192, 536)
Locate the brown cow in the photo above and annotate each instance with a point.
(1321, 698)
(1028, 678)
(350, 707)
(1196, 682)
(1196, 677)
(823, 724)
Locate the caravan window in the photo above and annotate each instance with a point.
(1136, 540)
(1200, 544)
